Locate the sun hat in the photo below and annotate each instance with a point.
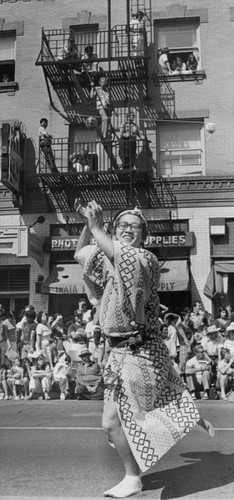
(230, 327)
(212, 329)
(84, 352)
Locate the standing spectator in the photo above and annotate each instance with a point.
(45, 142)
(197, 371)
(88, 378)
(225, 375)
(98, 353)
(62, 374)
(163, 62)
(87, 313)
(102, 103)
(58, 330)
(3, 345)
(229, 340)
(170, 340)
(27, 333)
(43, 333)
(229, 308)
(9, 326)
(185, 338)
(137, 30)
(129, 131)
(40, 378)
(197, 315)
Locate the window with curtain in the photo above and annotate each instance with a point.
(7, 57)
(181, 37)
(181, 149)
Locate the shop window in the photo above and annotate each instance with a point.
(181, 149)
(182, 39)
(15, 278)
(7, 58)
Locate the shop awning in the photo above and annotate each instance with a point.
(64, 279)
(174, 276)
(215, 280)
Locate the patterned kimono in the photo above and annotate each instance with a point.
(154, 407)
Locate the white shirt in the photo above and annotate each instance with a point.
(211, 345)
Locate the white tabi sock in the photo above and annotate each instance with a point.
(130, 485)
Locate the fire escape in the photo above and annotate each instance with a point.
(126, 69)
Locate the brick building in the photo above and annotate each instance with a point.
(181, 175)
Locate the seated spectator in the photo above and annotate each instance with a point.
(212, 343)
(170, 339)
(89, 378)
(225, 375)
(69, 51)
(178, 66)
(222, 320)
(43, 335)
(163, 63)
(82, 161)
(229, 340)
(26, 366)
(15, 380)
(191, 63)
(92, 65)
(58, 331)
(40, 377)
(62, 374)
(198, 374)
(4, 371)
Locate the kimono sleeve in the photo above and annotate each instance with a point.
(91, 258)
(137, 278)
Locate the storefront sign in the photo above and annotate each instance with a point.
(183, 239)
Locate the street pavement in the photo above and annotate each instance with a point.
(53, 450)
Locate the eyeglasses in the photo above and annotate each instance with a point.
(134, 227)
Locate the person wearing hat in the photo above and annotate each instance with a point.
(88, 377)
(212, 343)
(102, 103)
(198, 372)
(137, 29)
(229, 341)
(163, 62)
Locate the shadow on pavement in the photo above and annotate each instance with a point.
(202, 471)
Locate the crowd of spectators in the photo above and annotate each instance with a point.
(48, 357)
(202, 349)
(177, 65)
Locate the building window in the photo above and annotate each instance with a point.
(182, 39)
(181, 147)
(7, 58)
(85, 35)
